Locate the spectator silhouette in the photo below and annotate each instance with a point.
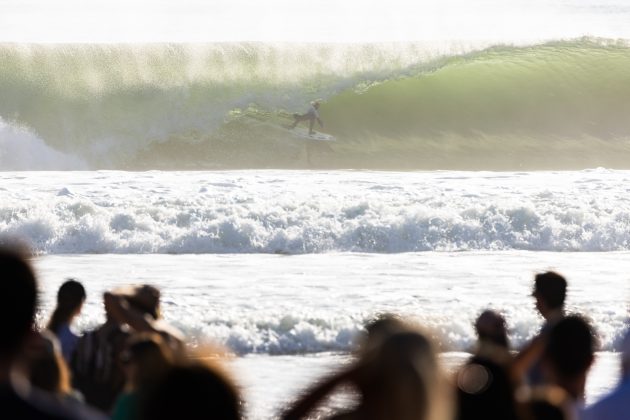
(568, 356)
(566, 359)
(47, 369)
(145, 360)
(18, 291)
(193, 391)
(139, 308)
(70, 299)
(49, 372)
(484, 388)
(397, 378)
(550, 292)
(616, 405)
(96, 368)
(376, 332)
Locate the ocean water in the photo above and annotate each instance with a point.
(283, 268)
(290, 320)
(477, 144)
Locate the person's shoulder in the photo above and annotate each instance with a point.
(97, 340)
(30, 404)
(105, 332)
(173, 337)
(87, 341)
(65, 334)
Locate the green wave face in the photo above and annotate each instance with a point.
(554, 90)
(558, 105)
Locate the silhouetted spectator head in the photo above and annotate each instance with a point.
(401, 378)
(484, 388)
(70, 299)
(18, 294)
(570, 352)
(551, 289)
(379, 329)
(193, 391)
(491, 327)
(144, 298)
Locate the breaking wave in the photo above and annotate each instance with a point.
(562, 104)
(303, 212)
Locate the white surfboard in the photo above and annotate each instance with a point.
(303, 133)
(299, 131)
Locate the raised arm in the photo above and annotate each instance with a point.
(526, 358)
(315, 395)
(120, 310)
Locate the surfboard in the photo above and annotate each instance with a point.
(303, 133)
(299, 131)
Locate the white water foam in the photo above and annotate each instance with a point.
(270, 304)
(316, 212)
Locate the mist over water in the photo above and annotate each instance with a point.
(555, 105)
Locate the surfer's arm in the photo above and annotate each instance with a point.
(319, 121)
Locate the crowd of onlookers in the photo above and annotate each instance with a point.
(137, 366)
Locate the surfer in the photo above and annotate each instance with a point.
(311, 115)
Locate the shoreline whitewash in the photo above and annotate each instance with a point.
(284, 305)
(290, 319)
(270, 382)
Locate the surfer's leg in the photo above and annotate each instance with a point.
(310, 126)
(297, 118)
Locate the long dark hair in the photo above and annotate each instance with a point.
(70, 297)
